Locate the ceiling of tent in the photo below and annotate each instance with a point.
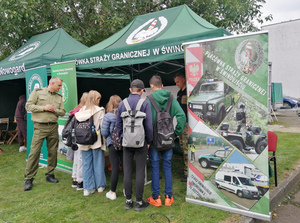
(150, 44)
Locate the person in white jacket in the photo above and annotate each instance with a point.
(93, 155)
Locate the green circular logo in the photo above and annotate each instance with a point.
(34, 82)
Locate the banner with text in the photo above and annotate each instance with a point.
(35, 78)
(67, 72)
(228, 116)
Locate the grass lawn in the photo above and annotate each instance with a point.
(48, 202)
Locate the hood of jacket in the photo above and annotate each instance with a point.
(76, 109)
(161, 97)
(84, 114)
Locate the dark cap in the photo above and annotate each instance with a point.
(137, 83)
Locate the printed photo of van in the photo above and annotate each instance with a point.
(237, 183)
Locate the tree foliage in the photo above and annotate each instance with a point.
(91, 21)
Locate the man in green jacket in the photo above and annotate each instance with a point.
(161, 97)
(46, 105)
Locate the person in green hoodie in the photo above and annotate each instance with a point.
(161, 97)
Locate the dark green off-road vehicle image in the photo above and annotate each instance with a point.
(215, 159)
(214, 101)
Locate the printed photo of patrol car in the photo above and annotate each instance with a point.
(213, 101)
(215, 159)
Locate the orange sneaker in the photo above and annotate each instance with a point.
(169, 201)
(156, 202)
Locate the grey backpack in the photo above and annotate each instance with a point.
(133, 128)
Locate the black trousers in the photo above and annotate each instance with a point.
(140, 155)
(115, 156)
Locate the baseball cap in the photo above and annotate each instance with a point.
(137, 83)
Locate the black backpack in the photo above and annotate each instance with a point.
(163, 131)
(115, 138)
(66, 134)
(85, 132)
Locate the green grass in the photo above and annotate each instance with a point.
(48, 202)
(287, 155)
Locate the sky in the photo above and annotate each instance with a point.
(282, 10)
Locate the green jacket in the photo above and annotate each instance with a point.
(36, 102)
(161, 97)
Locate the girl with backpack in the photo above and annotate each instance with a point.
(92, 155)
(115, 149)
(77, 160)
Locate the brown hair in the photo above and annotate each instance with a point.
(113, 103)
(182, 75)
(92, 98)
(156, 81)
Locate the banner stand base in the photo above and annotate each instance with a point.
(233, 210)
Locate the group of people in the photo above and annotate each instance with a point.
(89, 161)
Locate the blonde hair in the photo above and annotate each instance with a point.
(83, 99)
(113, 103)
(92, 99)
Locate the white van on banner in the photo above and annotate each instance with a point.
(227, 83)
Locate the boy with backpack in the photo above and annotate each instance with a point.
(163, 146)
(134, 123)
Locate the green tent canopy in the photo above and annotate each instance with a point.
(46, 49)
(39, 50)
(150, 44)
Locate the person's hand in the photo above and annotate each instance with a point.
(148, 146)
(49, 108)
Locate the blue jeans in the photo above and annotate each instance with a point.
(93, 169)
(154, 157)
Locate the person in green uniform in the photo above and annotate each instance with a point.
(180, 82)
(46, 105)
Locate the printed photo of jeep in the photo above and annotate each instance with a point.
(215, 159)
(213, 101)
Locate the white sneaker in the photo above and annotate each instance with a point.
(22, 148)
(88, 192)
(101, 189)
(111, 195)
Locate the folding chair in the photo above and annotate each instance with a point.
(13, 136)
(272, 144)
(4, 124)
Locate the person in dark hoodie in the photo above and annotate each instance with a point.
(136, 89)
(21, 118)
(161, 97)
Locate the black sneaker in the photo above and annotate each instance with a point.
(74, 183)
(51, 179)
(80, 186)
(184, 178)
(28, 185)
(128, 205)
(140, 207)
(181, 171)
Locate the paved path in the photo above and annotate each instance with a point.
(288, 121)
(289, 210)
